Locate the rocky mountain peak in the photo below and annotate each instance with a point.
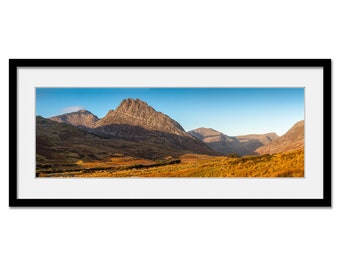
(134, 106)
(130, 102)
(84, 111)
(135, 112)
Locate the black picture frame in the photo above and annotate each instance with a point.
(15, 201)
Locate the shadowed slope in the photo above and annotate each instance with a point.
(61, 143)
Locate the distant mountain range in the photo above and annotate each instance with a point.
(136, 129)
(240, 145)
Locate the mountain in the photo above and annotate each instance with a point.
(293, 139)
(79, 118)
(134, 129)
(240, 145)
(135, 120)
(138, 113)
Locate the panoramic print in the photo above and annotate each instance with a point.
(170, 132)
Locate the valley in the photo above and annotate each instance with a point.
(289, 164)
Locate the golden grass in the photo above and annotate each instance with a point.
(288, 164)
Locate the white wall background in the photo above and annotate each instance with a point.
(168, 238)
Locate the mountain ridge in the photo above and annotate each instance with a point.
(240, 145)
(134, 120)
(293, 139)
(79, 118)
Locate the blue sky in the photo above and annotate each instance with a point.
(233, 111)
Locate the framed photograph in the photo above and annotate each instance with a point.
(170, 132)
